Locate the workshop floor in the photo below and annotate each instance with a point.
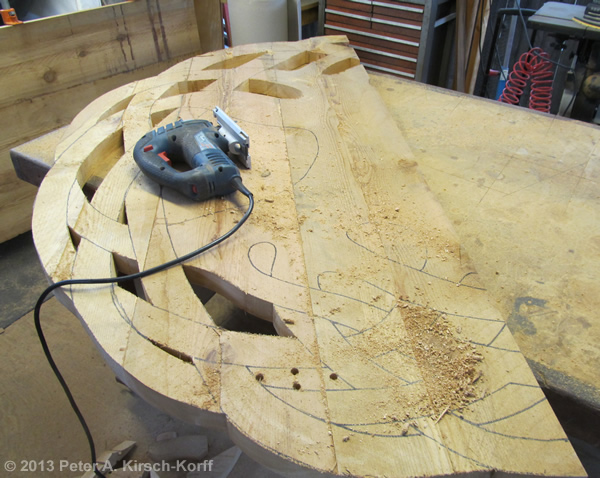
(37, 423)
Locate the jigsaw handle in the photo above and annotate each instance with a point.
(196, 143)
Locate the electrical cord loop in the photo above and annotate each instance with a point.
(237, 184)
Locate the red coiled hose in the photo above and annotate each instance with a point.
(532, 65)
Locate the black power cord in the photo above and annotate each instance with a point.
(237, 183)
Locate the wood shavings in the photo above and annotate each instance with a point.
(448, 363)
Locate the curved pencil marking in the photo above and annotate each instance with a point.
(322, 274)
(273, 258)
(460, 282)
(314, 160)
(412, 267)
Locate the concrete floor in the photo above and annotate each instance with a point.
(37, 423)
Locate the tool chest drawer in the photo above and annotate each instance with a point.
(387, 35)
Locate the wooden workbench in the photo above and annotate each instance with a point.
(522, 191)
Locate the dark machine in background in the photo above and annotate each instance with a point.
(570, 34)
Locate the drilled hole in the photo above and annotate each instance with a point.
(333, 376)
(295, 371)
(297, 386)
(259, 377)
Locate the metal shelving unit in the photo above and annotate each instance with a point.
(392, 36)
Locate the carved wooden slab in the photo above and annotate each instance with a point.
(386, 357)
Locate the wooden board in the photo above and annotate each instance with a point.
(55, 66)
(33, 160)
(522, 190)
(389, 359)
(570, 366)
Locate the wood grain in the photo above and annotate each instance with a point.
(53, 67)
(522, 191)
(389, 358)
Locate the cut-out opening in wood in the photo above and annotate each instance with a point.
(228, 316)
(270, 88)
(75, 238)
(186, 87)
(235, 61)
(229, 307)
(301, 59)
(116, 108)
(124, 267)
(99, 162)
(157, 116)
(341, 66)
(90, 188)
(123, 219)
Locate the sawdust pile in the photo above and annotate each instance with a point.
(450, 365)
